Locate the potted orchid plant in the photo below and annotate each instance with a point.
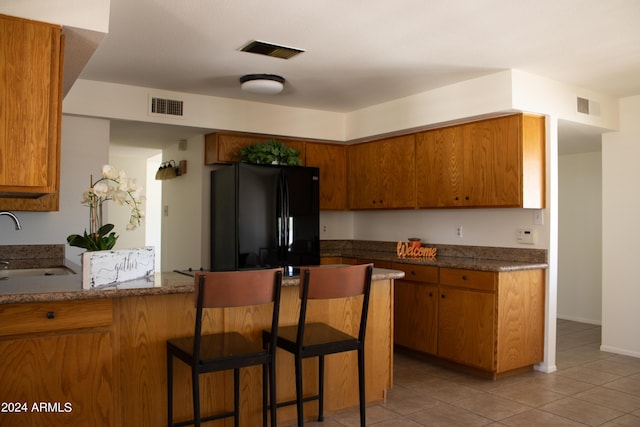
(113, 185)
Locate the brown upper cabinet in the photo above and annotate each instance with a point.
(382, 174)
(331, 159)
(497, 162)
(31, 104)
(224, 148)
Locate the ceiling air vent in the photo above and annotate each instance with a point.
(583, 105)
(270, 49)
(166, 107)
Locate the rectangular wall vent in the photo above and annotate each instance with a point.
(583, 105)
(166, 107)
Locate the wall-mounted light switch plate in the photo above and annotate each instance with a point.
(526, 235)
(538, 217)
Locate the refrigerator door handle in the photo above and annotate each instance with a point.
(286, 213)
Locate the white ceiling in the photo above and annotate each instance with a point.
(360, 53)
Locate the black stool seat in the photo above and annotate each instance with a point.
(206, 353)
(220, 351)
(318, 339)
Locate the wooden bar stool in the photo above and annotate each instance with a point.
(227, 350)
(306, 340)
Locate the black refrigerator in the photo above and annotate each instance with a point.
(264, 216)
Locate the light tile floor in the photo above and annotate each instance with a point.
(590, 388)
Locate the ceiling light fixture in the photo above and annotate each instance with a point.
(262, 84)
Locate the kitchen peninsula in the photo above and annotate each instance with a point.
(97, 357)
(102, 351)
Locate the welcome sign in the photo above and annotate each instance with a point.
(414, 250)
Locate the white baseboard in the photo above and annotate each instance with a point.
(621, 351)
(580, 319)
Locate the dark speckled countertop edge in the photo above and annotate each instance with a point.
(66, 288)
(482, 258)
(63, 288)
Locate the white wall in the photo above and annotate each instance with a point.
(481, 227)
(135, 168)
(88, 14)
(580, 237)
(132, 102)
(621, 234)
(185, 230)
(85, 145)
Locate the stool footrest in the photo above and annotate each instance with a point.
(204, 419)
(293, 402)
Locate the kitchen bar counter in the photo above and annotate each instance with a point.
(101, 354)
(69, 287)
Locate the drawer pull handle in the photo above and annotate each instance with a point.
(413, 273)
(464, 277)
(51, 314)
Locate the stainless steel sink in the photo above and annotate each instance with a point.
(34, 272)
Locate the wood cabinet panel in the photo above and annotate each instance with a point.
(416, 308)
(54, 316)
(439, 167)
(224, 148)
(417, 273)
(331, 159)
(466, 327)
(497, 162)
(382, 174)
(492, 162)
(58, 356)
(520, 335)
(31, 96)
(471, 279)
(71, 375)
(416, 316)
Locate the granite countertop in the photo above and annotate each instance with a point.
(481, 258)
(69, 287)
(458, 262)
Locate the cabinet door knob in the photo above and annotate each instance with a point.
(464, 277)
(51, 314)
(466, 197)
(442, 296)
(430, 294)
(413, 273)
(457, 198)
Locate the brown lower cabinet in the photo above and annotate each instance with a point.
(57, 364)
(490, 322)
(102, 362)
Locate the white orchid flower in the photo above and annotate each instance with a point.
(101, 189)
(109, 172)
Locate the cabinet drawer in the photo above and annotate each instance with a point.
(54, 316)
(472, 279)
(417, 273)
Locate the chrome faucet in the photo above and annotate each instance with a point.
(13, 217)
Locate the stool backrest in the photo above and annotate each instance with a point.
(236, 288)
(221, 289)
(330, 282)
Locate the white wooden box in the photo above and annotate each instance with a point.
(100, 268)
